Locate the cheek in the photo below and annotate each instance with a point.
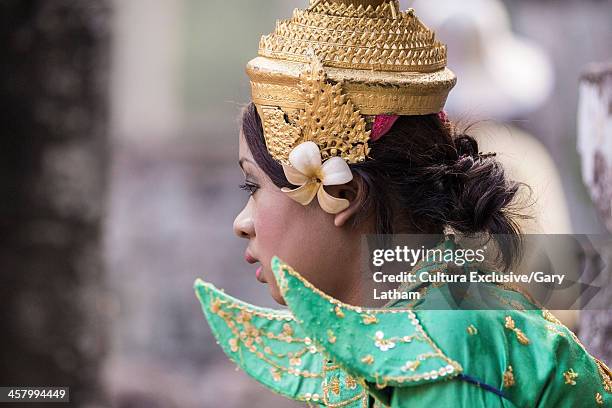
(275, 222)
(272, 218)
(293, 233)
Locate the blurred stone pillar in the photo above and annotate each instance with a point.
(595, 148)
(53, 99)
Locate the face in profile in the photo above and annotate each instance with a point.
(320, 246)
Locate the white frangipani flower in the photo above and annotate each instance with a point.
(311, 175)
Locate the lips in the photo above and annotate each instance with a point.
(259, 272)
(249, 258)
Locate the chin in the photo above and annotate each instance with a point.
(277, 297)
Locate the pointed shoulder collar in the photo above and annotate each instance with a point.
(383, 346)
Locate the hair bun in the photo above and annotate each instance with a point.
(466, 146)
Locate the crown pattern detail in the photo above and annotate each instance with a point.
(354, 9)
(348, 36)
(329, 119)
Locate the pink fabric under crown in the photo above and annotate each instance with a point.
(382, 125)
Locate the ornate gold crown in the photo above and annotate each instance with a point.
(324, 74)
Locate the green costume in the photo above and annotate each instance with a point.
(332, 354)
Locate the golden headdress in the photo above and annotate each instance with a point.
(326, 73)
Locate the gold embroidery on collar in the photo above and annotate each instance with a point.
(330, 336)
(369, 319)
(369, 359)
(550, 317)
(296, 359)
(509, 377)
(452, 367)
(334, 386)
(275, 374)
(411, 365)
(555, 330)
(350, 382)
(386, 344)
(363, 396)
(570, 376)
(311, 397)
(233, 344)
(381, 382)
(339, 312)
(599, 398)
(287, 330)
(251, 338)
(472, 330)
(520, 336)
(604, 373)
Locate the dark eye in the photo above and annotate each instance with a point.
(250, 187)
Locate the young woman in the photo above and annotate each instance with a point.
(345, 137)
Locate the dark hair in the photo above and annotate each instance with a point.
(421, 177)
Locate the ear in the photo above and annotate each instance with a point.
(353, 191)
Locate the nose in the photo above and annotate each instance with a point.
(243, 224)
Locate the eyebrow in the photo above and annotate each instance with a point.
(242, 160)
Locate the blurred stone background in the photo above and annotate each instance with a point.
(175, 85)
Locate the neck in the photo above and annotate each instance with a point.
(363, 293)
